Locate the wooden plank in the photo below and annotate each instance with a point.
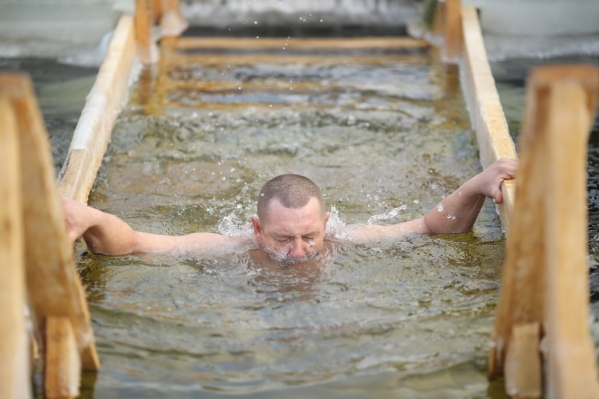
(172, 23)
(545, 274)
(52, 279)
(571, 356)
(452, 46)
(98, 117)
(523, 362)
(62, 374)
(486, 113)
(216, 60)
(297, 43)
(522, 289)
(146, 46)
(14, 355)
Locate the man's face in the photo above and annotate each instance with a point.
(290, 234)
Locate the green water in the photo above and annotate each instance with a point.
(385, 136)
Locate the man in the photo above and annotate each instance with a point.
(291, 221)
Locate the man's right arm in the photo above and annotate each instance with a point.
(107, 234)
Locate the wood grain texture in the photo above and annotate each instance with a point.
(452, 27)
(484, 106)
(14, 354)
(62, 374)
(52, 280)
(545, 273)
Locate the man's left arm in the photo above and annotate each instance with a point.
(456, 213)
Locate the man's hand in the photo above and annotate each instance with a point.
(489, 181)
(77, 217)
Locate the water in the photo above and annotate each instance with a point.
(386, 136)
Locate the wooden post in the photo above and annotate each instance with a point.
(571, 96)
(545, 277)
(14, 354)
(452, 47)
(52, 281)
(63, 367)
(146, 46)
(172, 22)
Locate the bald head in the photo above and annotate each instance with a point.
(292, 191)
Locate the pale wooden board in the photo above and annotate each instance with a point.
(572, 371)
(523, 362)
(98, 117)
(486, 113)
(296, 43)
(452, 46)
(62, 366)
(14, 357)
(53, 283)
(545, 273)
(144, 21)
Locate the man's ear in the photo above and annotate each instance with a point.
(257, 228)
(326, 217)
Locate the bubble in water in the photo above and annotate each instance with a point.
(416, 201)
(440, 207)
(434, 186)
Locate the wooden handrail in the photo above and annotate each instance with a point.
(544, 284)
(52, 283)
(14, 356)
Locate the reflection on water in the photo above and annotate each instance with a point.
(381, 136)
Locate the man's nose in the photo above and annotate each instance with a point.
(298, 249)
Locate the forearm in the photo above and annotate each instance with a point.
(457, 212)
(107, 234)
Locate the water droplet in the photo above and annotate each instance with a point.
(257, 37)
(321, 20)
(440, 207)
(209, 113)
(255, 22)
(416, 201)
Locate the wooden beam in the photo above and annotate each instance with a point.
(62, 373)
(52, 279)
(294, 44)
(172, 23)
(572, 93)
(98, 117)
(146, 46)
(14, 355)
(452, 46)
(545, 275)
(486, 113)
(523, 362)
